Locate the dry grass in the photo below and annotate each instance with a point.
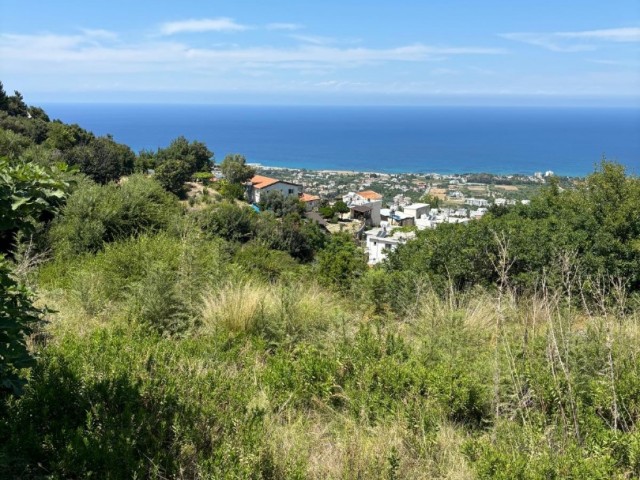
(338, 447)
(249, 307)
(508, 188)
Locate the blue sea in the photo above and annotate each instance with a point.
(502, 140)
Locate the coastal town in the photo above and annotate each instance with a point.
(384, 210)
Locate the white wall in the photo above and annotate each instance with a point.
(285, 188)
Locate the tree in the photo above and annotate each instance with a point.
(172, 175)
(195, 155)
(28, 194)
(27, 191)
(4, 99)
(341, 262)
(17, 107)
(432, 200)
(229, 221)
(103, 159)
(235, 169)
(280, 205)
(340, 207)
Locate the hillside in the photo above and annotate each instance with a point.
(145, 336)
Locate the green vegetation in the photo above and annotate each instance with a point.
(206, 340)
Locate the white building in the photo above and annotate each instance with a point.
(477, 202)
(417, 210)
(365, 205)
(380, 242)
(259, 185)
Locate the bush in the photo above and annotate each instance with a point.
(95, 215)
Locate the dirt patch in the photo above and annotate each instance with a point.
(477, 188)
(441, 193)
(508, 188)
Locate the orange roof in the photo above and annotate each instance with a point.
(370, 195)
(305, 197)
(259, 181)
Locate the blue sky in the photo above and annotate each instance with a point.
(330, 52)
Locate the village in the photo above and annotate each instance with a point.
(385, 210)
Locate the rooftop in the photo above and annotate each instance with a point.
(258, 181)
(370, 195)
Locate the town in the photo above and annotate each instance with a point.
(384, 210)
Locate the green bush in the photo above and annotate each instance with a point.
(95, 215)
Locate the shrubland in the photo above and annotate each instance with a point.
(150, 339)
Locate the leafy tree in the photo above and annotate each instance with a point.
(145, 160)
(195, 155)
(432, 200)
(235, 169)
(4, 99)
(280, 205)
(38, 113)
(29, 193)
(326, 211)
(340, 207)
(172, 175)
(64, 137)
(17, 107)
(341, 262)
(228, 221)
(103, 159)
(231, 191)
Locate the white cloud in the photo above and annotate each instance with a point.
(221, 24)
(284, 26)
(610, 34)
(314, 39)
(563, 41)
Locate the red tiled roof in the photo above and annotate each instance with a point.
(370, 195)
(305, 197)
(258, 181)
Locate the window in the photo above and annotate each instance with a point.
(291, 191)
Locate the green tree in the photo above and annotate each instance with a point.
(195, 155)
(29, 193)
(4, 99)
(103, 159)
(280, 205)
(235, 169)
(432, 200)
(172, 175)
(17, 107)
(229, 221)
(340, 207)
(341, 262)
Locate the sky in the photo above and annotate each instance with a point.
(409, 52)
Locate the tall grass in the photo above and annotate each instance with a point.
(285, 379)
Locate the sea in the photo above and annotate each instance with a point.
(569, 141)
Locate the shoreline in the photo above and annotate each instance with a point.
(424, 174)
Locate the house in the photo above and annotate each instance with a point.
(310, 201)
(260, 184)
(417, 210)
(364, 205)
(477, 202)
(394, 217)
(381, 241)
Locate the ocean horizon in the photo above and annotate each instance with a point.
(569, 141)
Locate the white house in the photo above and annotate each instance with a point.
(259, 185)
(380, 242)
(417, 210)
(364, 205)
